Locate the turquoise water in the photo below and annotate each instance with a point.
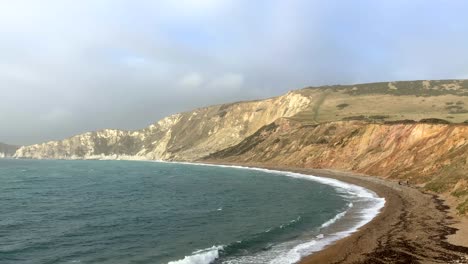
(147, 212)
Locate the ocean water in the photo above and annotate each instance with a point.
(151, 212)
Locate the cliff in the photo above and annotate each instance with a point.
(184, 136)
(404, 130)
(431, 155)
(195, 134)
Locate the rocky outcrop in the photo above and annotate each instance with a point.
(184, 136)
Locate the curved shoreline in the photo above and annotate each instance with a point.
(357, 190)
(411, 228)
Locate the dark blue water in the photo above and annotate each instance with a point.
(145, 212)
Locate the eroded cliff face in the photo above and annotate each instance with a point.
(368, 128)
(195, 134)
(433, 155)
(184, 136)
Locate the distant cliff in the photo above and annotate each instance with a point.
(7, 150)
(195, 134)
(184, 136)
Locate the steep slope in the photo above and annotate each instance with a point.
(7, 150)
(184, 136)
(435, 155)
(192, 135)
(408, 130)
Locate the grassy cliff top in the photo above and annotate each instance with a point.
(443, 100)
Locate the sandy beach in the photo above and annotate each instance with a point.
(412, 228)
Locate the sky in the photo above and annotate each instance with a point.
(68, 67)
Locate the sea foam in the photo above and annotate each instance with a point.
(285, 253)
(336, 218)
(203, 256)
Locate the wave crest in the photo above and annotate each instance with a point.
(295, 253)
(203, 256)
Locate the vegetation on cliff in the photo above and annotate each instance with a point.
(413, 130)
(433, 156)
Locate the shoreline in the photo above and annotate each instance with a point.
(379, 201)
(361, 216)
(412, 227)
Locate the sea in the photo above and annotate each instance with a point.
(134, 212)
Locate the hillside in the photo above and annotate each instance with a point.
(192, 135)
(184, 136)
(389, 101)
(7, 150)
(412, 130)
(431, 155)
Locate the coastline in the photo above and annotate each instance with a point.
(411, 228)
(360, 218)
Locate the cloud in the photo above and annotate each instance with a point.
(223, 83)
(87, 65)
(134, 61)
(191, 80)
(193, 8)
(228, 82)
(18, 73)
(55, 115)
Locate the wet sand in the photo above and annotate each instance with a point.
(411, 228)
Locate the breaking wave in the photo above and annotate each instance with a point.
(292, 251)
(204, 256)
(336, 218)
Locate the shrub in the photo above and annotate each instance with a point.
(454, 107)
(359, 117)
(404, 121)
(342, 106)
(379, 116)
(460, 193)
(463, 207)
(434, 121)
